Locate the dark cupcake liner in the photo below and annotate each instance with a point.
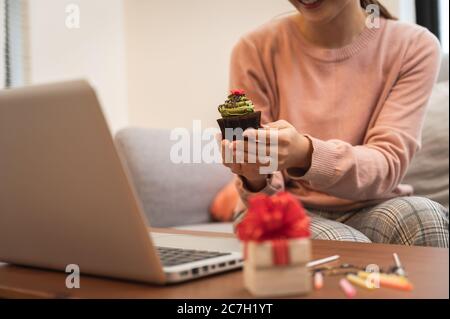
(252, 120)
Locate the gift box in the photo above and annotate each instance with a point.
(277, 268)
(275, 235)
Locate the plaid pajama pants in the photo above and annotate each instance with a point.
(404, 220)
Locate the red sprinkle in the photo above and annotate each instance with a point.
(237, 92)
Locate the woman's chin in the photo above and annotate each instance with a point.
(321, 12)
(317, 18)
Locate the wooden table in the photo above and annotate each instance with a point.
(428, 270)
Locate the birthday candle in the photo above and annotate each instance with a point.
(358, 281)
(347, 287)
(396, 283)
(390, 281)
(318, 280)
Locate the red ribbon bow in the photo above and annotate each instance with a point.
(271, 218)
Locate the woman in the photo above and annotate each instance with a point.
(348, 96)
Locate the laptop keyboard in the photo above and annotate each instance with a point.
(178, 256)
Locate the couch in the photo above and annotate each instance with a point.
(179, 195)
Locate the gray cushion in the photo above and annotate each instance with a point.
(171, 194)
(443, 72)
(428, 172)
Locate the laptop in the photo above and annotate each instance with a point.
(66, 196)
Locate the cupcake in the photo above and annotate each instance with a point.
(238, 112)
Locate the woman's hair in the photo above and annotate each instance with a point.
(383, 11)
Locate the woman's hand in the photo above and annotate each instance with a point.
(283, 146)
(294, 149)
(250, 172)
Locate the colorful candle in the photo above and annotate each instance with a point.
(347, 288)
(318, 280)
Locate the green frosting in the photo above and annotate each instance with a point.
(236, 105)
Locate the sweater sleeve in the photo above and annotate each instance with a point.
(377, 167)
(247, 72)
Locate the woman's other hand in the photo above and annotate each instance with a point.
(294, 149)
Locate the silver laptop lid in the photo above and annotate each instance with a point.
(64, 195)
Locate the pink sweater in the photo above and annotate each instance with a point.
(362, 106)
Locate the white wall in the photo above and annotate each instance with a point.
(94, 51)
(405, 10)
(444, 4)
(178, 55)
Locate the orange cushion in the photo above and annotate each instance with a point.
(223, 205)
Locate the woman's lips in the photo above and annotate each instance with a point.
(310, 4)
